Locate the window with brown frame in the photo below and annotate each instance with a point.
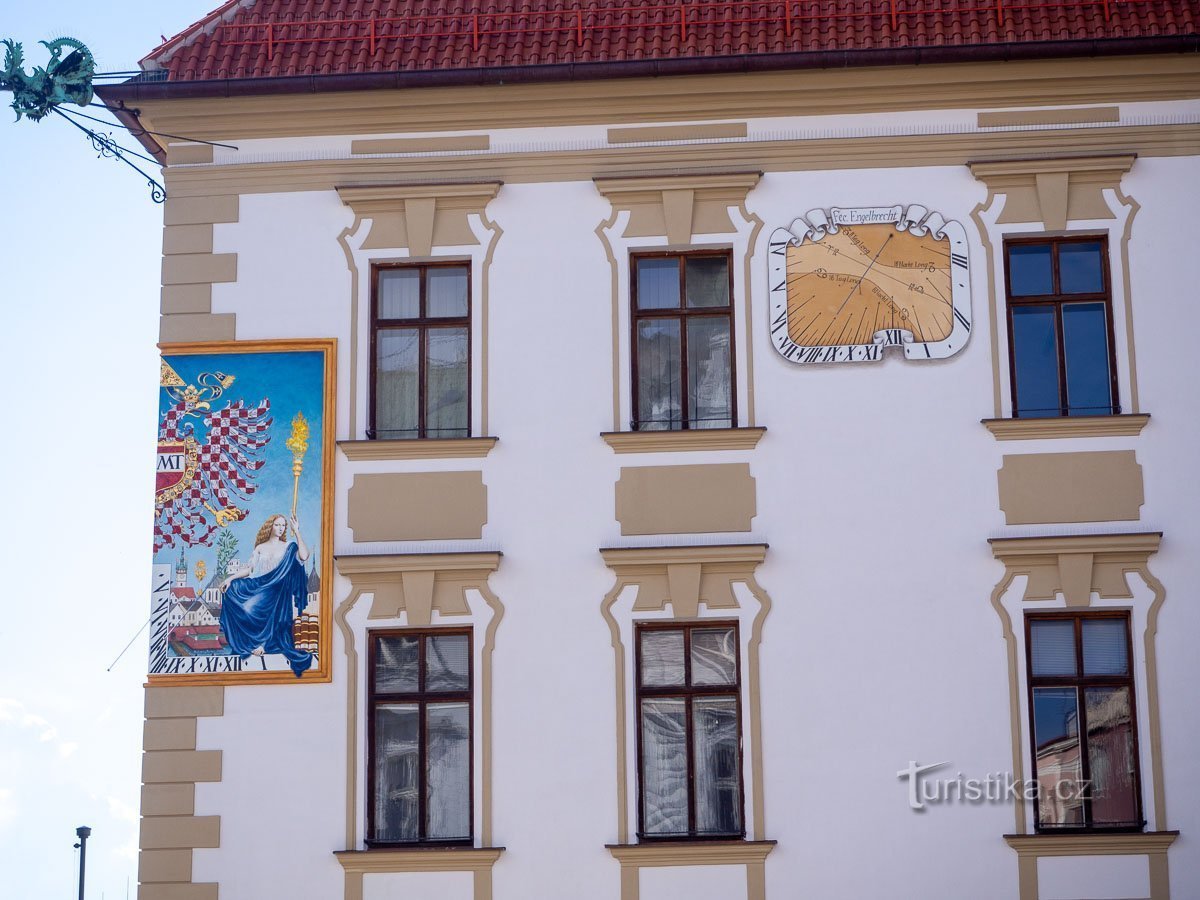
(1060, 327)
(420, 351)
(689, 731)
(420, 766)
(1084, 729)
(682, 320)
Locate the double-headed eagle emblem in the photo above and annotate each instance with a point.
(207, 458)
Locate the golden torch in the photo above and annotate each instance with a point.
(298, 444)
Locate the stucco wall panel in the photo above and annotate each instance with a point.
(418, 506)
(685, 499)
(1098, 486)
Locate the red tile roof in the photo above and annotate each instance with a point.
(278, 38)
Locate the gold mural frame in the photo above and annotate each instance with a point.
(322, 673)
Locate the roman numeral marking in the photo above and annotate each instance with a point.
(962, 319)
(959, 260)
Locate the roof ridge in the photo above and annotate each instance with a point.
(206, 24)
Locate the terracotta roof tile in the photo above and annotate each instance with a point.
(271, 38)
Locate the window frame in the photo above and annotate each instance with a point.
(1057, 300)
(688, 692)
(683, 313)
(422, 323)
(422, 698)
(1080, 682)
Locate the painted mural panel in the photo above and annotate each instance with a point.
(242, 530)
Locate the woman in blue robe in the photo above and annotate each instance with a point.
(263, 598)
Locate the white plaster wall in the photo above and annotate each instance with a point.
(694, 883)
(1093, 877)
(876, 491)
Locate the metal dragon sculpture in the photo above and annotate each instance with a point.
(61, 81)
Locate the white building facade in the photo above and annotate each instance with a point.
(684, 616)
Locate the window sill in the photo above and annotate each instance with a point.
(421, 448)
(1095, 844)
(1066, 427)
(691, 853)
(418, 859)
(692, 439)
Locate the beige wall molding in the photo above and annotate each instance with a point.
(437, 581)
(681, 441)
(478, 861)
(1066, 427)
(419, 216)
(678, 206)
(686, 499)
(751, 854)
(417, 506)
(171, 768)
(447, 144)
(1095, 486)
(802, 154)
(190, 268)
(189, 154)
(1078, 566)
(714, 131)
(1153, 845)
(1073, 116)
(991, 85)
(686, 577)
(1054, 191)
(433, 448)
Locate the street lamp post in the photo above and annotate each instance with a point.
(83, 833)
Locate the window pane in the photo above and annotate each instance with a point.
(659, 368)
(718, 769)
(1029, 270)
(1059, 771)
(1079, 269)
(447, 662)
(397, 761)
(662, 658)
(664, 767)
(658, 283)
(707, 279)
(449, 768)
(396, 665)
(399, 293)
(446, 292)
(1105, 651)
(1052, 642)
(446, 383)
(1035, 361)
(396, 382)
(1110, 756)
(714, 656)
(1085, 341)
(710, 394)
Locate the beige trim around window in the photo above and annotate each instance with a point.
(1077, 566)
(417, 584)
(685, 577)
(1125, 425)
(420, 218)
(751, 854)
(701, 499)
(680, 441)
(1050, 193)
(476, 860)
(677, 207)
(172, 766)
(1032, 847)
(417, 506)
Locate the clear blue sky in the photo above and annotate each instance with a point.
(80, 245)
